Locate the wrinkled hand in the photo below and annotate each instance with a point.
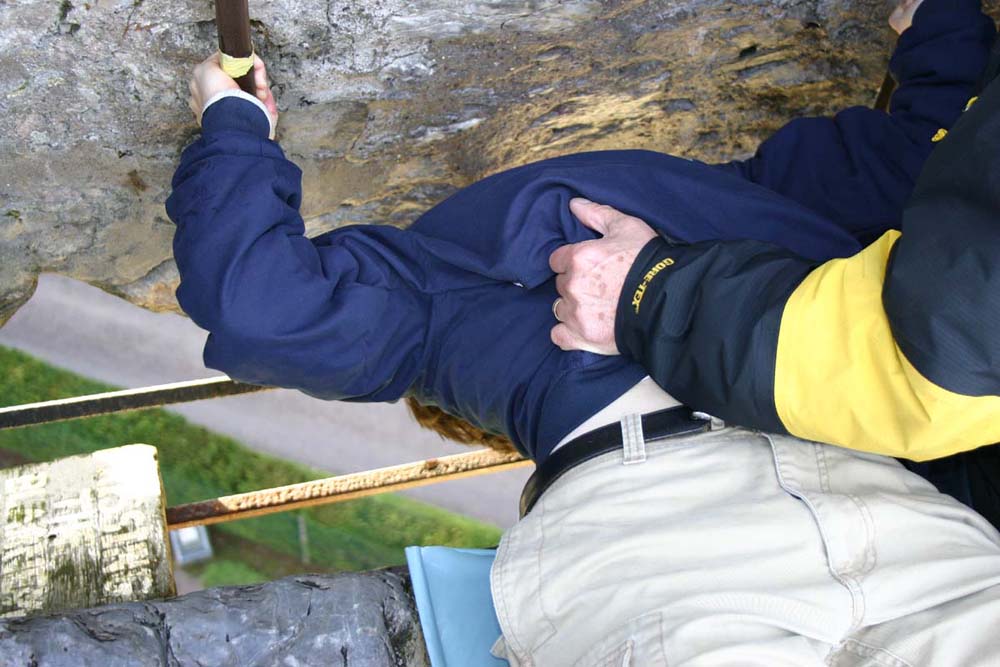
(902, 16)
(590, 276)
(209, 80)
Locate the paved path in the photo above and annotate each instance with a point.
(80, 328)
(185, 581)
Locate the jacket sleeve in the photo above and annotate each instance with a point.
(858, 167)
(282, 309)
(894, 350)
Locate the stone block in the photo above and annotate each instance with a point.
(83, 531)
(346, 620)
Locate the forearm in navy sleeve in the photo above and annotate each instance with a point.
(938, 63)
(282, 309)
(859, 167)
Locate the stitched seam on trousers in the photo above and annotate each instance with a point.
(500, 598)
(663, 643)
(883, 656)
(522, 654)
(822, 467)
(551, 628)
(845, 580)
(858, 602)
(871, 555)
(605, 651)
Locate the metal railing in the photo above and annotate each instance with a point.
(264, 501)
(124, 400)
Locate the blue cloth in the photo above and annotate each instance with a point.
(456, 310)
(452, 590)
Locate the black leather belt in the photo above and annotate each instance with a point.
(655, 426)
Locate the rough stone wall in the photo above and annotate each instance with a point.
(388, 105)
(342, 620)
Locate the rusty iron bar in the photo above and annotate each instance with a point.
(341, 488)
(29, 414)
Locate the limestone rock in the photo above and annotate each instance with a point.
(83, 530)
(388, 105)
(348, 620)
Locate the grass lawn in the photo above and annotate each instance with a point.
(196, 464)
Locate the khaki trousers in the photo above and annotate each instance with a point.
(738, 548)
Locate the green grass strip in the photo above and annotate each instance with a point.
(196, 464)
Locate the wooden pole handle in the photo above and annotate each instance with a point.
(232, 18)
(884, 96)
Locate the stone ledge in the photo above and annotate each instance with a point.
(355, 619)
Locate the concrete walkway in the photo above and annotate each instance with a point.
(80, 328)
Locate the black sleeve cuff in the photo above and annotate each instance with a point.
(647, 275)
(703, 320)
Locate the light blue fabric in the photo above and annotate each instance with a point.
(452, 590)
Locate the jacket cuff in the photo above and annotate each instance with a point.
(933, 19)
(239, 111)
(648, 274)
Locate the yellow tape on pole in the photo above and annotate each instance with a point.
(235, 67)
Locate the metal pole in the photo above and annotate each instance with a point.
(16, 416)
(885, 92)
(303, 536)
(343, 487)
(232, 18)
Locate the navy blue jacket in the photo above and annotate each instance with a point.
(456, 309)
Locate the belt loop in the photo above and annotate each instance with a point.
(633, 440)
(714, 423)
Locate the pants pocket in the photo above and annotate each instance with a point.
(638, 643)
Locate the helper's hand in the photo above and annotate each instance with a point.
(902, 15)
(590, 276)
(209, 80)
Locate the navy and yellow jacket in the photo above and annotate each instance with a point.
(456, 309)
(895, 350)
